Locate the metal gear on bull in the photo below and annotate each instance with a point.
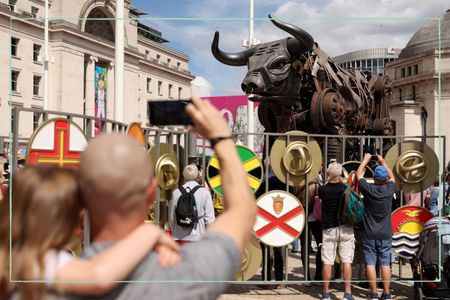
(295, 157)
(414, 164)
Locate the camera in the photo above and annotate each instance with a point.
(168, 112)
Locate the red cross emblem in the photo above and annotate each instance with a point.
(279, 222)
(57, 141)
(277, 226)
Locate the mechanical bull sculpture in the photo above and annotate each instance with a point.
(300, 88)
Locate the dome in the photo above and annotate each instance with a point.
(426, 38)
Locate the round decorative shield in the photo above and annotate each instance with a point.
(167, 172)
(57, 141)
(135, 131)
(349, 169)
(292, 160)
(164, 197)
(166, 166)
(407, 224)
(414, 164)
(252, 165)
(250, 260)
(280, 218)
(353, 165)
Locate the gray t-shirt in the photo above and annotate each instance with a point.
(214, 258)
(376, 223)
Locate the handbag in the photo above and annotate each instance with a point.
(317, 211)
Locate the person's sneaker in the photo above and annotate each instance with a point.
(326, 296)
(348, 296)
(385, 296)
(372, 295)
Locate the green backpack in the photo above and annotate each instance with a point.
(353, 206)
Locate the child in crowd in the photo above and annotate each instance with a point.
(44, 215)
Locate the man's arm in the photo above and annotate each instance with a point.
(384, 164)
(362, 166)
(115, 263)
(240, 206)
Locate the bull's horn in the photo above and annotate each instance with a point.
(232, 59)
(303, 41)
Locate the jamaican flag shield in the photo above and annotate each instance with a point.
(252, 165)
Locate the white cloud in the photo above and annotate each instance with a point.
(201, 87)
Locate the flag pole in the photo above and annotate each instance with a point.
(46, 62)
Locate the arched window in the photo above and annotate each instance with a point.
(100, 28)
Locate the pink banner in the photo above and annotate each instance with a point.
(234, 110)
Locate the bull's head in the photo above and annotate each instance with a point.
(270, 71)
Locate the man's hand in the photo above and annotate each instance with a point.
(367, 158)
(168, 251)
(206, 119)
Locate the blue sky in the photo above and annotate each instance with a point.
(339, 26)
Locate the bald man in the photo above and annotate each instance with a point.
(118, 185)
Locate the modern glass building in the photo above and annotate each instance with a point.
(373, 59)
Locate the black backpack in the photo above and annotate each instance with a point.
(186, 209)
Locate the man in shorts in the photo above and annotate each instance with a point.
(335, 234)
(376, 229)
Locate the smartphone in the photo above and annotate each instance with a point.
(168, 112)
(374, 157)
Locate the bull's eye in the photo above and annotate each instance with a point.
(279, 64)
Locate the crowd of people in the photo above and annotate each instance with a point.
(116, 189)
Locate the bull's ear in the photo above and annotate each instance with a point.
(232, 59)
(302, 41)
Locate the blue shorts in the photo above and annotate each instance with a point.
(376, 251)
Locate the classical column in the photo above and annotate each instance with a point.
(110, 94)
(90, 86)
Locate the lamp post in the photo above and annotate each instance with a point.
(120, 62)
(250, 106)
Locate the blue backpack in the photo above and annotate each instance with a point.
(351, 206)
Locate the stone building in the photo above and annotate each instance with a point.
(373, 59)
(416, 86)
(81, 54)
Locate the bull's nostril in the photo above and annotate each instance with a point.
(250, 88)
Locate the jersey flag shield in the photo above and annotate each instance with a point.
(280, 218)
